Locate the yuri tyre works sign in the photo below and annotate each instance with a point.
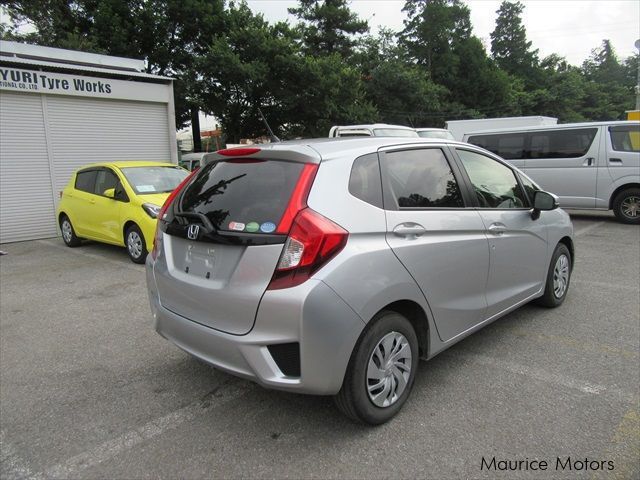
(31, 81)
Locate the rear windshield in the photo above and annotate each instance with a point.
(243, 195)
(394, 132)
(154, 179)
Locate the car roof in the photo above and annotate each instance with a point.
(315, 150)
(129, 163)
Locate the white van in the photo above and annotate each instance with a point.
(372, 130)
(588, 165)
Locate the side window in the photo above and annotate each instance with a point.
(572, 143)
(86, 180)
(105, 180)
(494, 184)
(509, 146)
(421, 179)
(625, 138)
(364, 182)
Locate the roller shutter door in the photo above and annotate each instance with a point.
(43, 139)
(83, 131)
(26, 195)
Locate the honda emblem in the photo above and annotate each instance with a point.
(193, 231)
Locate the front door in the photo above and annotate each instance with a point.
(436, 235)
(517, 242)
(106, 211)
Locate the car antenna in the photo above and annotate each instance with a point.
(272, 137)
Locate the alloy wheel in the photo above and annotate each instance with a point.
(630, 206)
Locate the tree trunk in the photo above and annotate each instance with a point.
(195, 129)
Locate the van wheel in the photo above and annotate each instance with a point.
(558, 278)
(381, 370)
(68, 233)
(626, 206)
(136, 246)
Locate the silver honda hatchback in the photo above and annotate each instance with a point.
(330, 267)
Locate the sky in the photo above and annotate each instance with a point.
(570, 28)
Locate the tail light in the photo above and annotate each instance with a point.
(312, 242)
(157, 238)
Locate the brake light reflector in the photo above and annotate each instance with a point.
(312, 242)
(157, 238)
(237, 152)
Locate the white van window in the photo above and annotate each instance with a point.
(625, 138)
(509, 146)
(561, 143)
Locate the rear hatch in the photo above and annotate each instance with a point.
(223, 236)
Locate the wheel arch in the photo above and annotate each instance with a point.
(413, 312)
(569, 244)
(125, 227)
(621, 188)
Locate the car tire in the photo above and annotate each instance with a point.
(626, 206)
(374, 395)
(135, 243)
(558, 278)
(68, 233)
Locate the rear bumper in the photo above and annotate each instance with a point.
(311, 314)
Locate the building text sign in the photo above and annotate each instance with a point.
(31, 81)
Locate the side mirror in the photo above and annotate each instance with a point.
(110, 193)
(543, 201)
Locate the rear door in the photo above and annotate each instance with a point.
(436, 236)
(566, 162)
(82, 199)
(220, 242)
(517, 242)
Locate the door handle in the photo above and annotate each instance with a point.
(588, 162)
(409, 230)
(497, 228)
(615, 160)
(92, 201)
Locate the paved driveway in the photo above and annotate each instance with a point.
(89, 390)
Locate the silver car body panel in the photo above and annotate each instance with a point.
(462, 278)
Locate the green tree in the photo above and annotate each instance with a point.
(431, 32)
(609, 88)
(402, 91)
(509, 46)
(328, 26)
(168, 34)
(257, 65)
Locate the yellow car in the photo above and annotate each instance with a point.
(117, 203)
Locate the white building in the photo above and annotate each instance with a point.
(61, 109)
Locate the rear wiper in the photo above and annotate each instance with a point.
(206, 223)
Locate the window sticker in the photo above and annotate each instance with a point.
(145, 188)
(267, 227)
(236, 226)
(252, 227)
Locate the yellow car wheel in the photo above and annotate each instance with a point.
(136, 245)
